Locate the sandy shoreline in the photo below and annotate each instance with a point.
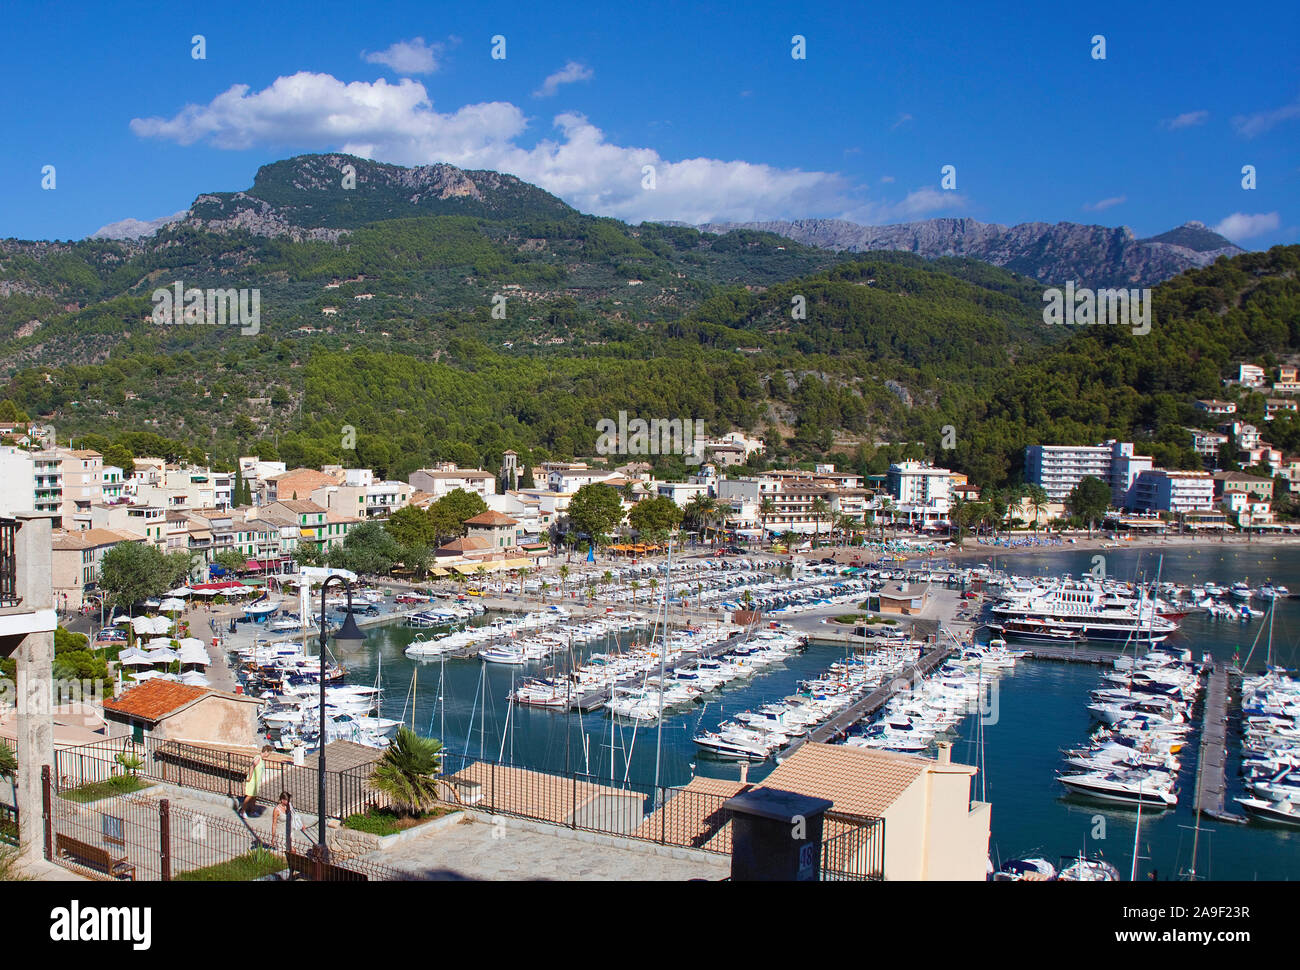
(973, 550)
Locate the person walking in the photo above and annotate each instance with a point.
(283, 809)
(254, 780)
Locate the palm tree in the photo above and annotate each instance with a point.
(654, 587)
(1037, 501)
(844, 524)
(8, 762)
(607, 578)
(544, 587)
(766, 509)
(710, 512)
(524, 573)
(407, 773)
(884, 511)
(564, 576)
(957, 514)
(821, 509)
(635, 584)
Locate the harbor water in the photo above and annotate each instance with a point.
(1041, 709)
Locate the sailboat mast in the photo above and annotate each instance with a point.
(1132, 877)
(663, 656)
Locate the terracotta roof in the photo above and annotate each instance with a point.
(155, 699)
(90, 538)
(535, 794)
(692, 816)
(491, 518)
(466, 544)
(860, 781)
(300, 506)
(465, 473)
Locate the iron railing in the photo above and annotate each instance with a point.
(8, 824)
(9, 564)
(852, 846)
(347, 791)
(143, 836)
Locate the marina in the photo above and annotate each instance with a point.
(758, 722)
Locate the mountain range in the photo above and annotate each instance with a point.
(1095, 256)
(303, 198)
(451, 315)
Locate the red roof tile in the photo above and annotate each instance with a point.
(155, 699)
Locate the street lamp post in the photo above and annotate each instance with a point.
(350, 633)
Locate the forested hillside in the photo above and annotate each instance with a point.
(377, 313)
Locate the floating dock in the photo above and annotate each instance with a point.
(906, 676)
(1211, 784)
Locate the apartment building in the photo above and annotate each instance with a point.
(920, 483)
(1208, 444)
(1216, 407)
(371, 500)
(445, 477)
(1060, 468)
(1250, 375)
(75, 559)
(1162, 490)
(1234, 481)
(147, 521)
(30, 481)
(569, 476)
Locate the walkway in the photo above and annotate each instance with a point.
(484, 849)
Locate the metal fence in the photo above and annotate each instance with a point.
(8, 824)
(852, 847)
(347, 791)
(8, 564)
(141, 836)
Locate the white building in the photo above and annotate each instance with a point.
(1060, 468)
(570, 476)
(1251, 375)
(920, 484)
(1162, 490)
(446, 477)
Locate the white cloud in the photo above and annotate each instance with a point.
(1239, 225)
(915, 205)
(1105, 204)
(398, 123)
(902, 120)
(407, 56)
(1260, 122)
(571, 72)
(1188, 119)
(886, 178)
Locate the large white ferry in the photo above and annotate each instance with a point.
(1082, 609)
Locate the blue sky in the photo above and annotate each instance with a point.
(1038, 130)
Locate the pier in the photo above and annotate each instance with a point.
(903, 677)
(592, 700)
(1091, 655)
(1211, 785)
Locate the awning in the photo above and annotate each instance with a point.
(252, 564)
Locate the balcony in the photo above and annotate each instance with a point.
(8, 565)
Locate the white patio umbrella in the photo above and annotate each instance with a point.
(171, 605)
(194, 678)
(193, 652)
(151, 624)
(180, 591)
(164, 656)
(134, 658)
